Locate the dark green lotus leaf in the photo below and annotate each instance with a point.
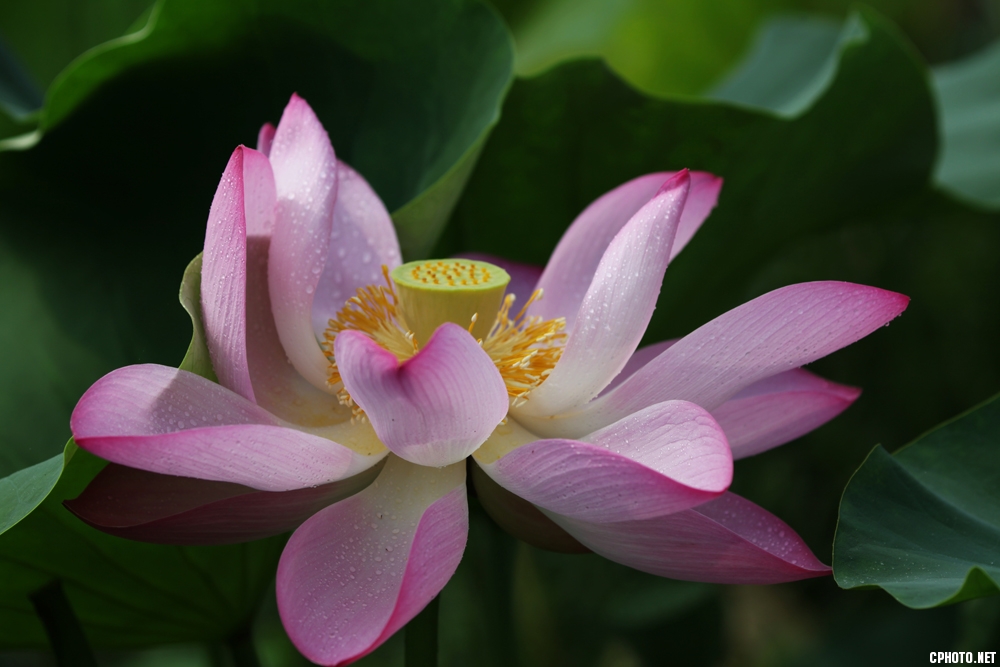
(924, 523)
(47, 35)
(400, 107)
(969, 95)
(125, 593)
(99, 218)
(792, 61)
(841, 191)
(794, 57)
(571, 134)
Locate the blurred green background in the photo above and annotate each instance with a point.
(99, 219)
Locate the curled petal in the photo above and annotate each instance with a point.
(664, 459)
(523, 277)
(617, 306)
(164, 509)
(358, 571)
(776, 332)
(780, 409)
(435, 408)
(243, 198)
(573, 263)
(265, 138)
(728, 540)
(173, 422)
(362, 240)
(305, 175)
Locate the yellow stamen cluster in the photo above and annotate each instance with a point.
(525, 350)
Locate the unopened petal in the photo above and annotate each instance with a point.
(728, 540)
(617, 306)
(305, 175)
(435, 408)
(358, 571)
(173, 422)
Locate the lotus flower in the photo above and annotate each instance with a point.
(352, 388)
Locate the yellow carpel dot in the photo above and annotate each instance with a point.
(420, 296)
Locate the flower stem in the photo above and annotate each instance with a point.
(422, 638)
(69, 643)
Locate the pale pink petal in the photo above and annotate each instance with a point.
(701, 200)
(769, 412)
(358, 571)
(523, 277)
(265, 138)
(278, 387)
(780, 409)
(728, 540)
(177, 423)
(164, 509)
(259, 194)
(778, 331)
(639, 358)
(573, 263)
(435, 408)
(664, 459)
(519, 518)
(362, 240)
(617, 306)
(305, 175)
(224, 265)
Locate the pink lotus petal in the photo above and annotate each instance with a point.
(519, 518)
(305, 175)
(164, 509)
(223, 284)
(265, 138)
(639, 358)
(705, 188)
(780, 409)
(358, 571)
(278, 387)
(435, 408)
(523, 277)
(362, 239)
(728, 540)
(177, 423)
(778, 331)
(617, 306)
(573, 263)
(664, 459)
